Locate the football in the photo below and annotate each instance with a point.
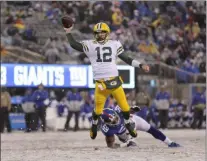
(67, 21)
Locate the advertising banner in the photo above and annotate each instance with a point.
(31, 75)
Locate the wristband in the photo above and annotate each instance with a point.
(136, 63)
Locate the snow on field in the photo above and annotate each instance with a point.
(77, 146)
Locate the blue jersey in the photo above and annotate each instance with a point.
(199, 98)
(39, 96)
(163, 96)
(110, 130)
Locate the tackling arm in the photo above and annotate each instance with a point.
(74, 44)
(110, 141)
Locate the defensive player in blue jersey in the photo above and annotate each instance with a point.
(112, 124)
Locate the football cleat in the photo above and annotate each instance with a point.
(174, 145)
(93, 131)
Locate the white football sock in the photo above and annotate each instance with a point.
(167, 141)
(95, 122)
(126, 121)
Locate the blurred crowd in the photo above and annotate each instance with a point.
(161, 111)
(171, 32)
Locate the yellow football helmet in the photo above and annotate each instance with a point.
(101, 28)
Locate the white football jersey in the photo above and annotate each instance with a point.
(103, 57)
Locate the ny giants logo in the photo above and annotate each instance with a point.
(111, 117)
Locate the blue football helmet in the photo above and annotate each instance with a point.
(110, 117)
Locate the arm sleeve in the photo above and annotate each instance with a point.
(125, 58)
(74, 44)
(120, 48)
(129, 60)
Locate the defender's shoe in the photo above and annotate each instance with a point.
(131, 128)
(93, 131)
(174, 145)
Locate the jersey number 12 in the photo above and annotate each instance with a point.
(107, 52)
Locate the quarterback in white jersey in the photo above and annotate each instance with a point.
(103, 57)
(102, 54)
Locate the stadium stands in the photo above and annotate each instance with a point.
(172, 32)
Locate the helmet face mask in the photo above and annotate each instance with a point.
(101, 36)
(115, 120)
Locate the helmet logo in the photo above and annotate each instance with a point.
(113, 83)
(110, 117)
